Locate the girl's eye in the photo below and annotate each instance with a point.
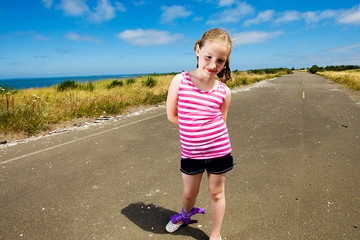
(221, 61)
(208, 57)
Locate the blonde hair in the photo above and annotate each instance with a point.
(218, 35)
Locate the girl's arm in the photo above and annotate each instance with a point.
(225, 105)
(172, 98)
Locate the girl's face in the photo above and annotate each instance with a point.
(212, 57)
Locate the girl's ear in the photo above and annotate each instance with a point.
(197, 50)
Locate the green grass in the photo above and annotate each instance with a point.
(31, 111)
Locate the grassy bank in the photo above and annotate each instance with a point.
(32, 111)
(350, 78)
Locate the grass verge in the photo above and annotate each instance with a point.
(350, 78)
(29, 112)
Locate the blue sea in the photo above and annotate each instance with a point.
(23, 83)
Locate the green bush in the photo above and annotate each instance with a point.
(69, 84)
(315, 69)
(150, 81)
(130, 81)
(115, 83)
(88, 86)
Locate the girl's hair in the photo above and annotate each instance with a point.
(218, 35)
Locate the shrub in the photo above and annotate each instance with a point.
(88, 86)
(314, 69)
(150, 81)
(69, 84)
(130, 81)
(115, 83)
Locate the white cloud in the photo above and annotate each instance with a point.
(35, 35)
(260, 18)
(253, 37)
(351, 16)
(104, 11)
(171, 13)
(314, 17)
(148, 37)
(139, 3)
(76, 37)
(223, 3)
(41, 37)
(231, 15)
(47, 3)
(288, 16)
(74, 7)
(120, 6)
(346, 48)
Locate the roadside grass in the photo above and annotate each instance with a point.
(350, 78)
(32, 111)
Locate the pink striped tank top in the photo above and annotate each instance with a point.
(203, 132)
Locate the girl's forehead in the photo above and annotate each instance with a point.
(217, 46)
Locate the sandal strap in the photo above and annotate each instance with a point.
(186, 217)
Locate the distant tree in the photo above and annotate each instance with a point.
(315, 69)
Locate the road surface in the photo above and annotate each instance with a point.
(296, 144)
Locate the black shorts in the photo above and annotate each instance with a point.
(218, 165)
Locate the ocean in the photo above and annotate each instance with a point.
(23, 83)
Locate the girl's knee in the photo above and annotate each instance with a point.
(217, 194)
(189, 195)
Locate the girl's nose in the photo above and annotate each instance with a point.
(213, 65)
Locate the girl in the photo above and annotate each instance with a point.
(198, 102)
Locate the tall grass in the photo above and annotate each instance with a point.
(31, 111)
(350, 78)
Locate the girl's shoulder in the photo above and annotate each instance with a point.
(177, 77)
(227, 89)
(175, 82)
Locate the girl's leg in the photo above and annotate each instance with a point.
(217, 198)
(191, 190)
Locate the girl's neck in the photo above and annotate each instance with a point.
(203, 83)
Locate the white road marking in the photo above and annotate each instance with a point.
(79, 139)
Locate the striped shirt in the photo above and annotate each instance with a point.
(203, 132)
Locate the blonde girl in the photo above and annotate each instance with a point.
(198, 101)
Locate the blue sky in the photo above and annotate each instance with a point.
(46, 38)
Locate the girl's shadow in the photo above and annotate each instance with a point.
(153, 219)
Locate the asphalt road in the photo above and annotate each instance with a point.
(296, 144)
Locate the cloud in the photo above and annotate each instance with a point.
(139, 3)
(120, 6)
(351, 16)
(314, 17)
(288, 16)
(253, 37)
(171, 13)
(63, 50)
(231, 15)
(40, 37)
(47, 3)
(142, 37)
(346, 48)
(223, 3)
(76, 37)
(260, 18)
(74, 7)
(104, 11)
(35, 35)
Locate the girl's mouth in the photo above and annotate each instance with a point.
(210, 70)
